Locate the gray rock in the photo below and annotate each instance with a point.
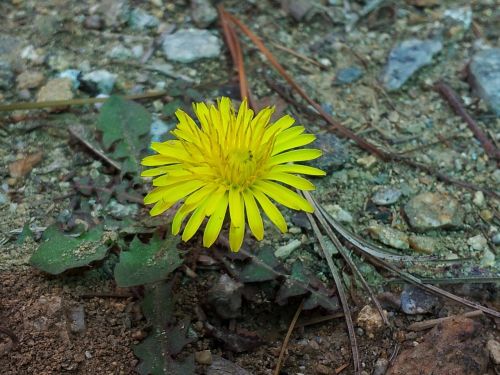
(8, 44)
(93, 22)
(55, 89)
(189, 45)
(141, 20)
(221, 366)
(298, 9)
(121, 211)
(286, 250)
(203, 13)
(389, 236)
(496, 238)
(348, 75)
(417, 301)
(115, 12)
(338, 213)
(485, 76)
(335, 152)
(6, 75)
(29, 80)
(380, 366)
(104, 80)
(76, 319)
(426, 245)
(120, 53)
(459, 16)
(405, 59)
(72, 75)
(225, 297)
(386, 196)
(45, 27)
(494, 350)
(429, 211)
(158, 130)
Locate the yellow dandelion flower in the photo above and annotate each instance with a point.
(233, 161)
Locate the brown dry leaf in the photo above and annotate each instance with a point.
(21, 167)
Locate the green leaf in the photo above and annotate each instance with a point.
(261, 267)
(59, 252)
(125, 125)
(165, 339)
(147, 263)
(294, 285)
(25, 234)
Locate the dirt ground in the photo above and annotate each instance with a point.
(80, 322)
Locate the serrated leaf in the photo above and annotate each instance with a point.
(261, 267)
(59, 252)
(124, 125)
(147, 263)
(155, 352)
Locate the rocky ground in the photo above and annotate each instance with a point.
(371, 65)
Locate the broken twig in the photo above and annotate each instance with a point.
(453, 100)
(277, 369)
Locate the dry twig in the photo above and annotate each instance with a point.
(427, 324)
(453, 100)
(287, 338)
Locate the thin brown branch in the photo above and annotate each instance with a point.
(76, 132)
(335, 125)
(277, 369)
(338, 127)
(455, 103)
(298, 55)
(234, 46)
(427, 324)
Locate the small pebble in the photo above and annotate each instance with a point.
(203, 357)
(286, 250)
(494, 350)
(478, 242)
(386, 196)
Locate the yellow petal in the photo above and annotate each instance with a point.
(283, 195)
(277, 127)
(174, 192)
(181, 213)
(271, 210)
(295, 155)
(236, 206)
(253, 215)
(160, 207)
(200, 194)
(215, 222)
(296, 181)
(237, 232)
(298, 168)
(158, 171)
(194, 222)
(212, 205)
(155, 160)
(301, 140)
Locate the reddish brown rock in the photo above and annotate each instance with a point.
(454, 347)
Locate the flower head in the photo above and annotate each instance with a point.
(233, 161)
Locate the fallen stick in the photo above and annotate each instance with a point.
(428, 324)
(453, 100)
